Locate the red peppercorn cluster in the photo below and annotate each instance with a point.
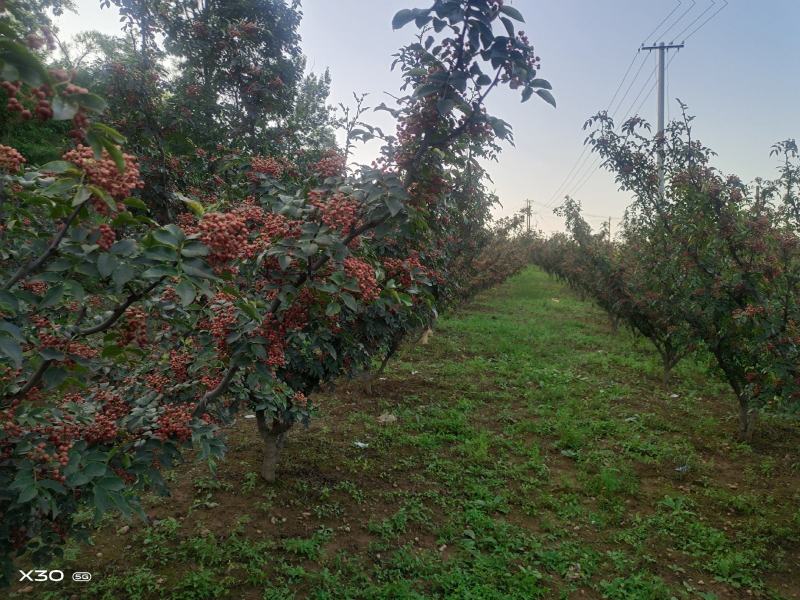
(340, 212)
(364, 274)
(10, 159)
(39, 95)
(169, 295)
(179, 363)
(37, 287)
(127, 477)
(224, 317)
(175, 422)
(157, 381)
(405, 271)
(332, 164)
(135, 327)
(267, 165)
(300, 399)
(103, 172)
(107, 237)
(209, 382)
(274, 331)
(187, 222)
(226, 234)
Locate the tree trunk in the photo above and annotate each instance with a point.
(274, 436)
(665, 377)
(614, 323)
(747, 420)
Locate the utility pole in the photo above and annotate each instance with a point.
(662, 49)
(527, 212)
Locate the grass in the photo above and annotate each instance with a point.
(534, 455)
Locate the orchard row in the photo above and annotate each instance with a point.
(708, 263)
(229, 258)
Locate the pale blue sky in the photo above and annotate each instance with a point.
(738, 73)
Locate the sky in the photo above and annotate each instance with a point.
(738, 73)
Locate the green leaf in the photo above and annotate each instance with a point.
(52, 297)
(8, 302)
(51, 354)
(509, 26)
(159, 271)
(29, 68)
(57, 166)
(123, 247)
(187, 292)
(197, 268)
(115, 153)
(63, 109)
(95, 469)
(512, 12)
(194, 248)
(28, 493)
(135, 203)
(541, 83)
(92, 102)
(166, 237)
(403, 18)
(349, 302)
(547, 97)
(82, 194)
(12, 350)
(197, 208)
(106, 263)
(393, 204)
(284, 260)
(426, 89)
(54, 376)
(122, 275)
(334, 308)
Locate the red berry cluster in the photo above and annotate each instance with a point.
(209, 382)
(267, 165)
(157, 381)
(226, 234)
(179, 363)
(275, 333)
(300, 399)
(397, 269)
(174, 422)
(10, 159)
(276, 227)
(187, 222)
(135, 327)
(224, 317)
(37, 287)
(107, 236)
(103, 172)
(340, 212)
(330, 165)
(43, 109)
(364, 274)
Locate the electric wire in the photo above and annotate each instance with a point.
(577, 176)
(699, 27)
(652, 33)
(696, 19)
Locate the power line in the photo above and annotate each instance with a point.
(699, 27)
(577, 176)
(696, 19)
(678, 20)
(652, 33)
(635, 77)
(569, 175)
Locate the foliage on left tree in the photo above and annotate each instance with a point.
(124, 340)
